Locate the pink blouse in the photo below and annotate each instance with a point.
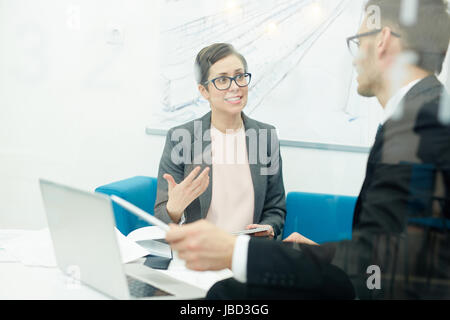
(232, 202)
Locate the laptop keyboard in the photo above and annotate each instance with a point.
(139, 289)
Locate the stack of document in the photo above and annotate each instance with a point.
(146, 237)
(32, 248)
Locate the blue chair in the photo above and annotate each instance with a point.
(140, 191)
(319, 217)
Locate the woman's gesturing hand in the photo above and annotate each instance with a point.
(181, 195)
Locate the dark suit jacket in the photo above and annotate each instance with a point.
(192, 146)
(408, 168)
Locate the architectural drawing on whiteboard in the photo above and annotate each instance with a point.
(303, 81)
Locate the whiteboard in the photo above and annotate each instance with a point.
(303, 80)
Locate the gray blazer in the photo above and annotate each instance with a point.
(189, 145)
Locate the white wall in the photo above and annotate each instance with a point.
(321, 171)
(74, 108)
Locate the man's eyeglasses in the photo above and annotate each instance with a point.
(353, 42)
(224, 83)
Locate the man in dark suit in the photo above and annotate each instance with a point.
(400, 246)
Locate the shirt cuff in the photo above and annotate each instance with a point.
(182, 220)
(239, 262)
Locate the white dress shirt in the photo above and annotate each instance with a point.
(393, 108)
(240, 254)
(239, 260)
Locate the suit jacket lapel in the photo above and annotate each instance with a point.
(255, 166)
(201, 155)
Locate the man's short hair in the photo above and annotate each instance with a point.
(428, 37)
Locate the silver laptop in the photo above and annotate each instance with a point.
(82, 229)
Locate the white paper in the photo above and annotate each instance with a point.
(156, 248)
(147, 233)
(9, 234)
(145, 236)
(5, 256)
(203, 279)
(34, 248)
(5, 236)
(129, 250)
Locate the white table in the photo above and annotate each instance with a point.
(19, 281)
(22, 282)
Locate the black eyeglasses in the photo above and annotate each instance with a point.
(353, 42)
(224, 83)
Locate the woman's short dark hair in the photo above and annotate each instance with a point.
(428, 37)
(210, 55)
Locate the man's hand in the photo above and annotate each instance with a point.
(298, 238)
(202, 245)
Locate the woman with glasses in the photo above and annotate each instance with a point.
(224, 167)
